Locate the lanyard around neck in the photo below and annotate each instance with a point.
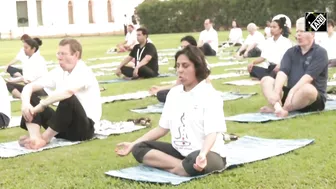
(139, 54)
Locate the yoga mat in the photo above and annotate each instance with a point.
(106, 128)
(236, 69)
(106, 58)
(168, 50)
(102, 74)
(331, 83)
(118, 80)
(128, 96)
(105, 65)
(226, 96)
(266, 117)
(247, 149)
(103, 129)
(212, 77)
(226, 64)
(244, 82)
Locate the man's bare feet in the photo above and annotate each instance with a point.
(35, 143)
(267, 109)
(127, 78)
(23, 140)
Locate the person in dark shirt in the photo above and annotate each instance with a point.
(305, 68)
(146, 59)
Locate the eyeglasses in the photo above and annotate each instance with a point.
(62, 54)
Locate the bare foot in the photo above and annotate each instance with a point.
(281, 113)
(35, 144)
(267, 109)
(127, 78)
(23, 140)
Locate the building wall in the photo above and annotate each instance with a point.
(48, 18)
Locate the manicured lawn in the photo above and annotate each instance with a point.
(83, 166)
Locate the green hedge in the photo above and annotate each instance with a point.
(175, 16)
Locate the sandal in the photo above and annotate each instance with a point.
(142, 121)
(230, 137)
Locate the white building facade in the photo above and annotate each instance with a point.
(51, 18)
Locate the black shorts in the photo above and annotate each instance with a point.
(318, 105)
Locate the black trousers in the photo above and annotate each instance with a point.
(143, 72)
(19, 87)
(214, 161)
(162, 95)
(255, 52)
(69, 119)
(236, 45)
(4, 120)
(259, 72)
(12, 70)
(207, 50)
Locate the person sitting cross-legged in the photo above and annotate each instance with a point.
(273, 51)
(78, 94)
(251, 46)
(305, 68)
(193, 114)
(5, 105)
(146, 59)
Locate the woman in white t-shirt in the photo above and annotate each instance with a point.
(267, 30)
(193, 114)
(33, 67)
(273, 50)
(5, 107)
(235, 36)
(329, 43)
(20, 57)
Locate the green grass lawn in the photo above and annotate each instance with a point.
(83, 165)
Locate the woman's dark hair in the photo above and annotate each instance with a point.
(190, 39)
(196, 56)
(25, 37)
(34, 43)
(237, 26)
(331, 22)
(282, 24)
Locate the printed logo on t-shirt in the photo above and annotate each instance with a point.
(182, 137)
(308, 60)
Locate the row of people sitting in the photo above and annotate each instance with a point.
(193, 111)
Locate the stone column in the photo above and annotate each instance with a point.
(32, 13)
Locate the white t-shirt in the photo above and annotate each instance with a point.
(80, 77)
(34, 67)
(236, 35)
(191, 116)
(210, 35)
(131, 38)
(257, 38)
(329, 44)
(5, 106)
(273, 51)
(320, 36)
(268, 32)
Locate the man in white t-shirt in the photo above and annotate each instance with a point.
(5, 106)
(251, 46)
(130, 40)
(193, 114)
(78, 94)
(208, 40)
